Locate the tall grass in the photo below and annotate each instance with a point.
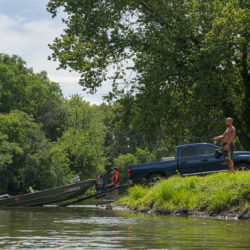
(212, 193)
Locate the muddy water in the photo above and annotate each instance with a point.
(87, 227)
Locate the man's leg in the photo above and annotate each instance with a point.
(115, 195)
(230, 165)
(97, 198)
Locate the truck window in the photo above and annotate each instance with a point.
(188, 152)
(206, 150)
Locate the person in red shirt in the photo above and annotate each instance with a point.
(115, 183)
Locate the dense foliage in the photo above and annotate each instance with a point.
(26, 154)
(45, 140)
(189, 61)
(124, 160)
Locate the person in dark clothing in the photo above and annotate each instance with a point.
(98, 186)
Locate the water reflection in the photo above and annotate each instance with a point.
(90, 227)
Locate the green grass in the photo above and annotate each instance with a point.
(212, 193)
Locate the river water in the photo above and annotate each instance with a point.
(88, 227)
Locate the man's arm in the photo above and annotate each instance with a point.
(220, 137)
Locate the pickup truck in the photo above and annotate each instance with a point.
(192, 159)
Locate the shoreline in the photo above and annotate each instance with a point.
(225, 215)
(220, 195)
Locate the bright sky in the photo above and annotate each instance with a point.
(26, 29)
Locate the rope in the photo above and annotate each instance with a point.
(98, 196)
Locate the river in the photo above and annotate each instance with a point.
(88, 227)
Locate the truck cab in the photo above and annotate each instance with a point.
(200, 158)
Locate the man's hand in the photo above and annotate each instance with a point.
(226, 147)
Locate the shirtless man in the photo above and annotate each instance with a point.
(228, 146)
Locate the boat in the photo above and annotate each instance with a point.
(48, 196)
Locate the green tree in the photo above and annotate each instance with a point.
(28, 158)
(144, 156)
(190, 57)
(226, 49)
(31, 93)
(7, 151)
(83, 138)
(124, 160)
(121, 163)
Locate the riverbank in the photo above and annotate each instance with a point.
(222, 195)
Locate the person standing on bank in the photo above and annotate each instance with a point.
(115, 183)
(98, 186)
(228, 144)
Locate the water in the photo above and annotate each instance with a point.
(87, 227)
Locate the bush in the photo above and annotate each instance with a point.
(123, 161)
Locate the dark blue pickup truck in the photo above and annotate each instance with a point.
(192, 159)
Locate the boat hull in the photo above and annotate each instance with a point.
(48, 196)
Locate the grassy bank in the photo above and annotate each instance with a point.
(213, 194)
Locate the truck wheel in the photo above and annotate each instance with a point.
(242, 167)
(152, 179)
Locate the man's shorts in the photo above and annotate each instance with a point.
(228, 155)
(116, 187)
(98, 191)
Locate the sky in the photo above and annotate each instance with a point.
(26, 29)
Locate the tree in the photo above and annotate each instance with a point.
(144, 156)
(190, 58)
(121, 163)
(31, 93)
(83, 138)
(227, 53)
(124, 160)
(7, 150)
(45, 140)
(28, 158)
